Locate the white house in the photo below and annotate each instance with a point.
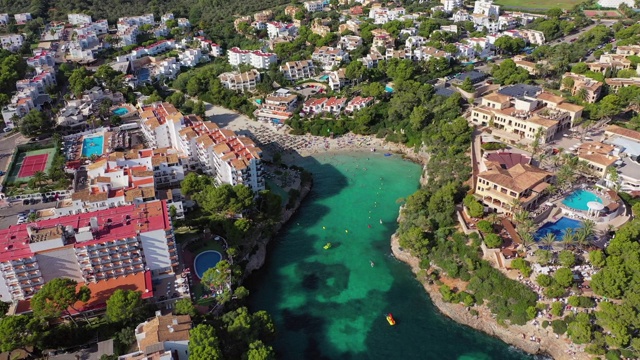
(79, 19)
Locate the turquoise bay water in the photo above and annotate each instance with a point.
(330, 304)
(579, 199)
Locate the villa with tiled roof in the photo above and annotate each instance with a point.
(499, 187)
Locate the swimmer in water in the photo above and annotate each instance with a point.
(372, 264)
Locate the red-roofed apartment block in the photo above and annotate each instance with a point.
(91, 248)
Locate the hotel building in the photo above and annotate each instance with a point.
(523, 117)
(88, 248)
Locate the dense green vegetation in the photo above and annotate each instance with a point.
(12, 68)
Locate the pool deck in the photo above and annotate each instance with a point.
(560, 210)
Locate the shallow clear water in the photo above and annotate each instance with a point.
(205, 261)
(557, 228)
(330, 304)
(92, 146)
(120, 111)
(578, 199)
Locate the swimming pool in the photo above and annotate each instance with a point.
(120, 111)
(578, 199)
(324, 77)
(557, 228)
(205, 261)
(388, 89)
(92, 146)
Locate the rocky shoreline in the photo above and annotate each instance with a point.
(256, 261)
(550, 346)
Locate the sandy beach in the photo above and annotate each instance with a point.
(275, 139)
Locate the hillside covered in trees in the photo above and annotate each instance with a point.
(208, 11)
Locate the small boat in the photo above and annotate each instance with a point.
(327, 246)
(388, 154)
(390, 319)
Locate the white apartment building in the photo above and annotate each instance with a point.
(128, 35)
(4, 19)
(256, 58)
(486, 7)
(183, 23)
(79, 19)
(41, 58)
(382, 15)
(313, 6)
(371, 60)
(298, 70)
(414, 41)
(359, 103)
(168, 68)
(338, 79)
(427, 52)
(533, 36)
(279, 30)
(166, 17)
(11, 42)
(349, 42)
(450, 5)
(23, 18)
(240, 81)
(461, 15)
(192, 57)
(212, 48)
(329, 56)
(125, 22)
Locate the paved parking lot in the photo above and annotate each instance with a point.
(9, 214)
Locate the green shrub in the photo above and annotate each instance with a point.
(557, 308)
(559, 327)
(485, 226)
(493, 241)
(544, 280)
(493, 146)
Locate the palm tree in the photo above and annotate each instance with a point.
(39, 177)
(584, 234)
(582, 94)
(493, 218)
(520, 217)
(568, 237)
(515, 204)
(526, 239)
(548, 239)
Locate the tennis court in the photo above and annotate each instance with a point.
(27, 163)
(32, 164)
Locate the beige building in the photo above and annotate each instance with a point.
(240, 81)
(263, 16)
(527, 65)
(610, 61)
(628, 50)
(501, 188)
(522, 118)
(599, 156)
(616, 84)
(593, 87)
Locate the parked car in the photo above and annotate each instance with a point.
(25, 202)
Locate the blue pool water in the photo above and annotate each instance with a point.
(388, 89)
(557, 228)
(578, 199)
(92, 146)
(324, 77)
(205, 261)
(120, 111)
